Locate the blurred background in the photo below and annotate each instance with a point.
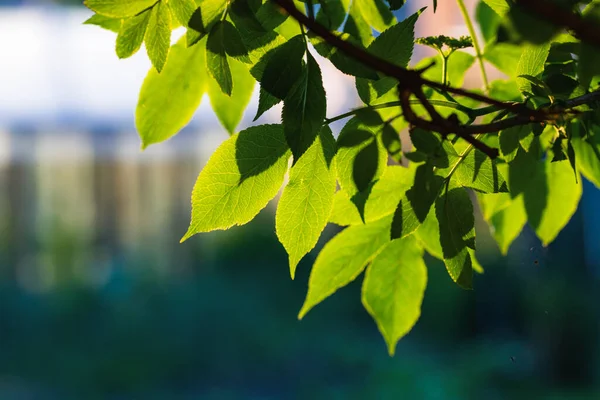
(98, 300)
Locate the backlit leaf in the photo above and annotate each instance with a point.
(131, 35)
(119, 8)
(240, 178)
(230, 109)
(168, 100)
(158, 35)
(307, 199)
(454, 212)
(394, 287)
(343, 258)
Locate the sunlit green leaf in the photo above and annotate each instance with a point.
(240, 178)
(307, 199)
(108, 23)
(216, 59)
(551, 199)
(454, 212)
(168, 100)
(131, 35)
(531, 63)
(382, 201)
(183, 10)
(158, 35)
(230, 109)
(507, 224)
(343, 258)
(394, 287)
(477, 171)
(376, 14)
(119, 8)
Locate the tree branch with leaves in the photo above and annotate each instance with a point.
(518, 146)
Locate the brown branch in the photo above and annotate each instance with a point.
(411, 82)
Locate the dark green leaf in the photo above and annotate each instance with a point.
(454, 212)
(282, 68)
(304, 109)
(216, 58)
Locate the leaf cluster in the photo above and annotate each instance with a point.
(515, 150)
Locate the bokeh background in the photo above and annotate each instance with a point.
(98, 300)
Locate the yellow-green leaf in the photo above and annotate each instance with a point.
(507, 224)
(230, 109)
(131, 35)
(240, 178)
(394, 287)
(343, 258)
(382, 201)
(158, 35)
(551, 199)
(454, 212)
(307, 199)
(119, 8)
(168, 100)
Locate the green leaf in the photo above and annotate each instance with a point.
(588, 159)
(332, 13)
(131, 35)
(209, 13)
(454, 212)
(240, 178)
(551, 199)
(216, 59)
(357, 26)
(507, 224)
(522, 170)
(504, 56)
(394, 287)
(281, 69)
(307, 199)
(382, 200)
(510, 141)
(376, 14)
(477, 171)
(158, 35)
(233, 43)
(343, 258)
(588, 65)
(395, 45)
(501, 7)
(230, 109)
(119, 8)
(266, 101)
(183, 10)
(533, 58)
(428, 235)
(304, 109)
(354, 138)
(414, 207)
(108, 23)
(168, 100)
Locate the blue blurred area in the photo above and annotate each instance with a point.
(98, 300)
